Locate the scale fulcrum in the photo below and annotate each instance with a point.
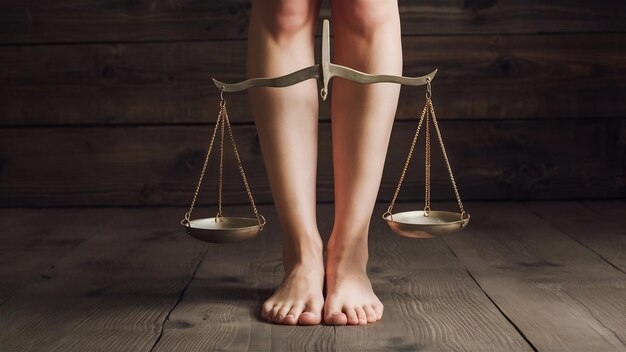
(416, 224)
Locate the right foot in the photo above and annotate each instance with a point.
(299, 299)
(350, 298)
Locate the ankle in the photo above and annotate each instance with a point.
(344, 242)
(347, 252)
(303, 251)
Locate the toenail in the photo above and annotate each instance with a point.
(337, 313)
(309, 314)
(280, 317)
(290, 315)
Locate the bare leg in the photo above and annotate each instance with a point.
(280, 40)
(367, 38)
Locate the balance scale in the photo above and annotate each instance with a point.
(424, 223)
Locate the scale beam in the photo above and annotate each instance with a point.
(324, 71)
(414, 224)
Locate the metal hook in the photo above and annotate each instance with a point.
(222, 100)
(185, 221)
(261, 221)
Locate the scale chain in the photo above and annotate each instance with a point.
(408, 160)
(243, 174)
(219, 182)
(187, 217)
(427, 166)
(222, 119)
(427, 113)
(445, 156)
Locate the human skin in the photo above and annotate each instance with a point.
(280, 41)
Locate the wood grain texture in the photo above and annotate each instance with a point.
(112, 293)
(32, 245)
(493, 77)
(221, 309)
(116, 20)
(430, 302)
(149, 165)
(114, 290)
(562, 296)
(597, 225)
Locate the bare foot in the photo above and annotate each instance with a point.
(350, 298)
(299, 299)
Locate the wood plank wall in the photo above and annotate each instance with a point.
(110, 103)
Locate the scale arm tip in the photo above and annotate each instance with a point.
(218, 84)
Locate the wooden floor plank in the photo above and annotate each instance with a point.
(121, 272)
(32, 242)
(111, 295)
(221, 309)
(562, 296)
(430, 301)
(599, 225)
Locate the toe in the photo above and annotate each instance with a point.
(267, 308)
(312, 315)
(336, 318)
(282, 312)
(333, 314)
(378, 308)
(292, 316)
(360, 313)
(273, 312)
(353, 319)
(309, 318)
(370, 313)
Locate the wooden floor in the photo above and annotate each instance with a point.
(544, 276)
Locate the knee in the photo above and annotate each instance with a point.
(286, 17)
(366, 16)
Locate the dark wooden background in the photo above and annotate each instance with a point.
(110, 102)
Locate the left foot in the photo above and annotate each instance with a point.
(299, 299)
(350, 298)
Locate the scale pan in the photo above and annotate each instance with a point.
(415, 224)
(226, 230)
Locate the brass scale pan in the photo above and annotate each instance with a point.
(415, 224)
